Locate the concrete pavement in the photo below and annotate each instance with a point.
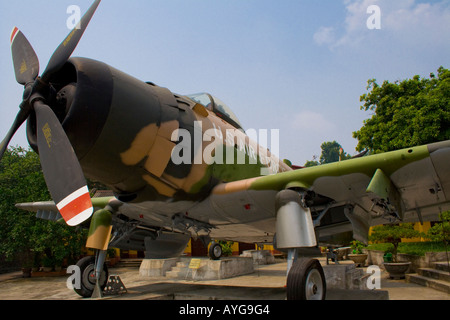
(267, 282)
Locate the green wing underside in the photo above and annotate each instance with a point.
(410, 184)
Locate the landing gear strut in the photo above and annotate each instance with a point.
(294, 230)
(94, 273)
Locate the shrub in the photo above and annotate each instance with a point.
(393, 234)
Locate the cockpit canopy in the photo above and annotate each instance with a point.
(218, 107)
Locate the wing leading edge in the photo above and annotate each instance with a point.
(411, 184)
(48, 210)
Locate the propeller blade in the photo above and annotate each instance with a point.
(62, 171)
(20, 119)
(66, 48)
(26, 62)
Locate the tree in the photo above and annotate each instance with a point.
(408, 113)
(21, 234)
(393, 234)
(441, 231)
(331, 152)
(311, 163)
(20, 181)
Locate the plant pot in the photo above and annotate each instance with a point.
(397, 270)
(358, 259)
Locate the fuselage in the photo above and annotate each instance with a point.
(148, 144)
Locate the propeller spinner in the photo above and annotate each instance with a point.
(62, 171)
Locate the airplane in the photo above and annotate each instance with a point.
(88, 119)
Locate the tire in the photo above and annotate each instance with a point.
(215, 251)
(306, 281)
(87, 283)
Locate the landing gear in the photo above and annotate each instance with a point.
(294, 230)
(306, 281)
(94, 274)
(215, 251)
(88, 279)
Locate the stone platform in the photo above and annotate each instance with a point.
(199, 270)
(345, 276)
(342, 276)
(260, 257)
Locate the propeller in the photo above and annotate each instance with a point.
(62, 171)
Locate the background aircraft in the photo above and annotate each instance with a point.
(85, 118)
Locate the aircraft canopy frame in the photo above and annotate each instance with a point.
(217, 106)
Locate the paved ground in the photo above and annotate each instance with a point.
(267, 282)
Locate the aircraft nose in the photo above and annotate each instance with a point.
(132, 125)
(120, 127)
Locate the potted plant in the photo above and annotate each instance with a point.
(357, 255)
(394, 234)
(227, 248)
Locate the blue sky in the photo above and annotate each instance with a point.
(299, 66)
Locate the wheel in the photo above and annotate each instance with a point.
(87, 284)
(306, 281)
(215, 251)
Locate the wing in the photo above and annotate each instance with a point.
(409, 185)
(48, 211)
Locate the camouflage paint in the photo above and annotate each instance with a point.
(122, 129)
(305, 178)
(100, 230)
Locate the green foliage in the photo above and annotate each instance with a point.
(441, 231)
(408, 113)
(357, 247)
(227, 247)
(311, 163)
(393, 234)
(415, 248)
(331, 151)
(21, 234)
